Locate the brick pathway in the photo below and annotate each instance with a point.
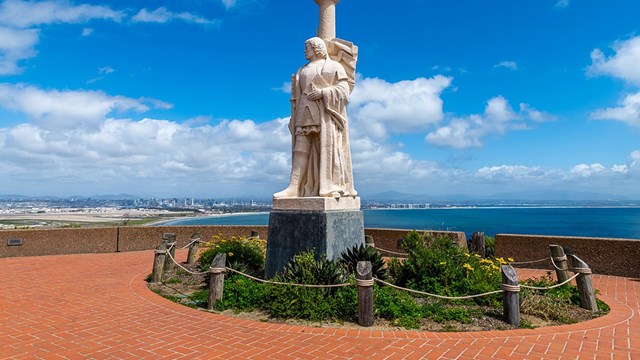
(97, 306)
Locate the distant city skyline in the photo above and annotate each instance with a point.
(190, 99)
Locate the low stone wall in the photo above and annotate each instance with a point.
(37, 242)
(58, 241)
(103, 240)
(389, 239)
(619, 257)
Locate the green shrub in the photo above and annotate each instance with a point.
(242, 294)
(314, 304)
(397, 306)
(305, 269)
(439, 266)
(350, 258)
(247, 251)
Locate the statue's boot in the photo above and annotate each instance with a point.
(298, 165)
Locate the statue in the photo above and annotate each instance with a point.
(321, 158)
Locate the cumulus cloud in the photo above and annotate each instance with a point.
(16, 45)
(18, 19)
(498, 118)
(127, 151)
(628, 111)
(623, 64)
(54, 109)
(163, 15)
(24, 14)
(511, 65)
(228, 3)
(405, 106)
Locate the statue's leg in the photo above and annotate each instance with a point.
(299, 162)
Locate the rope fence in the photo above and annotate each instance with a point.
(164, 259)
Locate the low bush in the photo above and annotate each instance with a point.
(439, 266)
(244, 253)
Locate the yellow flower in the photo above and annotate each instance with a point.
(510, 259)
(476, 255)
(230, 253)
(501, 260)
(443, 263)
(467, 254)
(468, 267)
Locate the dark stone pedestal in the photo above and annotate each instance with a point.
(294, 231)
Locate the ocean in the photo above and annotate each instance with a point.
(615, 222)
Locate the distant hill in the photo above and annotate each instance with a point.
(114, 197)
(555, 196)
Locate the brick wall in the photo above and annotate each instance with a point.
(619, 257)
(133, 238)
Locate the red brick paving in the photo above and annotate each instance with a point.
(97, 306)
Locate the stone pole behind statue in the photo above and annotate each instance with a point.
(319, 209)
(327, 24)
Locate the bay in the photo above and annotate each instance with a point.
(615, 222)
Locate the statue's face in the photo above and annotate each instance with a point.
(309, 53)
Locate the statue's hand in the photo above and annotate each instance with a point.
(315, 95)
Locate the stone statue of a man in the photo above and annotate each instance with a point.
(321, 159)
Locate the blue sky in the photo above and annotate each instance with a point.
(189, 98)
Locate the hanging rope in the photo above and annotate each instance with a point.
(436, 295)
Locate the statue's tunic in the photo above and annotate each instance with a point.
(324, 122)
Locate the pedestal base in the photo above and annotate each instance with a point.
(327, 232)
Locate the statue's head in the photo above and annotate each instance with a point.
(318, 46)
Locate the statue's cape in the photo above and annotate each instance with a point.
(346, 53)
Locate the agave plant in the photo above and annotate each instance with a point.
(349, 260)
(305, 269)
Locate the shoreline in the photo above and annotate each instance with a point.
(211, 216)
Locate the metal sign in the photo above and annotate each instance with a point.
(14, 242)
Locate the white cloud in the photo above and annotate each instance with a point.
(105, 70)
(148, 153)
(535, 115)
(498, 118)
(285, 87)
(228, 3)
(405, 106)
(87, 31)
(623, 64)
(24, 14)
(16, 45)
(584, 170)
(562, 3)
(511, 65)
(163, 15)
(55, 109)
(18, 36)
(628, 111)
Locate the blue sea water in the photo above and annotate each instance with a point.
(563, 221)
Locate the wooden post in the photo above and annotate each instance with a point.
(216, 279)
(560, 261)
(364, 280)
(170, 238)
(158, 262)
(584, 283)
(368, 240)
(511, 295)
(193, 251)
(478, 243)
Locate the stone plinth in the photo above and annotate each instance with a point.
(328, 232)
(317, 203)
